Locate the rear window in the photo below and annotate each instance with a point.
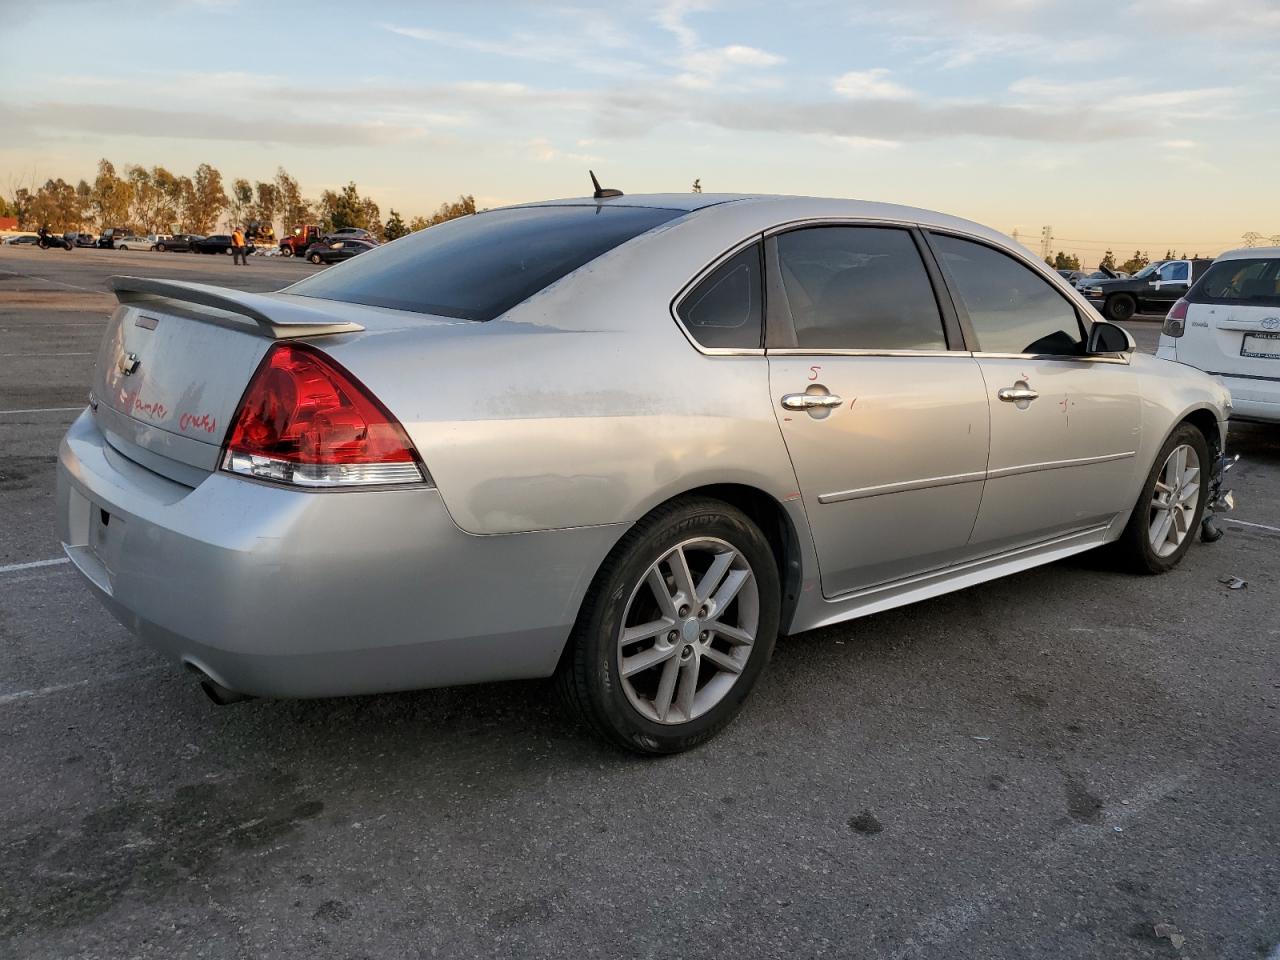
(1241, 282)
(479, 267)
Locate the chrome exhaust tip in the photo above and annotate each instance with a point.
(215, 691)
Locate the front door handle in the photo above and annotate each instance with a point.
(1016, 394)
(810, 401)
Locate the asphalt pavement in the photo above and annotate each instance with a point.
(1068, 763)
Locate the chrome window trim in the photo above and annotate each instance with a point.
(833, 352)
(1078, 301)
(912, 227)
(1070, 358)
(789, 225)
(701, 275)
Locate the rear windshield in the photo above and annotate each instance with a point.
(1242, 282)
(479, 267)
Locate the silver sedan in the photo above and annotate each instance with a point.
(624, 441)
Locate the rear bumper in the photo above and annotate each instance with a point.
(282, 593)
(1253, 398)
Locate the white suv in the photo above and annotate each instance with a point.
(1228, 325)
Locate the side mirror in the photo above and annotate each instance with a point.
(1106, 337)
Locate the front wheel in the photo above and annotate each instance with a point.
(1171, 506)
(315, 258)
(286, 251)
(161, 248)
(1120, 307)
(675, 630)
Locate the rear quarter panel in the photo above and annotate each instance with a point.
(586, 404)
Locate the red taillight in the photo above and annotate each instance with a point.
(306, 421)
(1176, 321)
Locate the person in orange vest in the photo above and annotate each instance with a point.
(237, 248)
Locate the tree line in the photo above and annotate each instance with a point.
(157, 201)
(1140, 258)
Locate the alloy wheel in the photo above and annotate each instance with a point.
(1174, 500)
(688, 630)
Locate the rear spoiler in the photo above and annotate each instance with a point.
(276, 316)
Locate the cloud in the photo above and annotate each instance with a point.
(704, 66)
(1178, 144)
(913, 120)
(542, 150)
(869, 85)
(576, 48)
(118, 121)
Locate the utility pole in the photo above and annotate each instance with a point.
(1251, 238)
(1046, 242)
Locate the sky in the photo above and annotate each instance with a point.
(1128, 123)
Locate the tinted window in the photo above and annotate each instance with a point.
(1011, 307)
(858, 288)
(1243, 282)
(726, 308)
(478, 267)
(1176, 271)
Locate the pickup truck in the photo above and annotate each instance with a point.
(1153, 289)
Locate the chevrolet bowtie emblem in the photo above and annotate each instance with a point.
(128, 364)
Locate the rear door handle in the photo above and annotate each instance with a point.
(1014, 394)
(810, 401)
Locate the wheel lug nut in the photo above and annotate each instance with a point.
(672, 636)
(704, 636)
(684, 611)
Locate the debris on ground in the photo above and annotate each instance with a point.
(1234, 583)
(1167, 931)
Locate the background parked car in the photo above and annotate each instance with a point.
(353, 233)
(110, 235)
(1228, 325)
(218, 243)
(131, 241)
(331, 251)
(84, 240)
(181, 242)
(1153, 289)
(22, 240)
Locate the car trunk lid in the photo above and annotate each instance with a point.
(175, 360)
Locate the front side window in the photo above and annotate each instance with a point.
(1011, 307)
(858, 288)
(1175, 272)
(1241, 282)
(479, 267)
(726, 309)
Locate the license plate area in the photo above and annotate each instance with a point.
(1262, 346)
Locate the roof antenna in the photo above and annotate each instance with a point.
(602, 193)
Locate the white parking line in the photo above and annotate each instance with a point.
(44, 410)
(87, 353)
(20, 695)
(15, 567)
(1260, 526)
(972, 907)
(58, 283)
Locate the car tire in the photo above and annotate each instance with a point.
(315, 258)
(1120, 307)
(1140, 548)
(122, 247)
(286, 252)
(645, 710)
(161, 248)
